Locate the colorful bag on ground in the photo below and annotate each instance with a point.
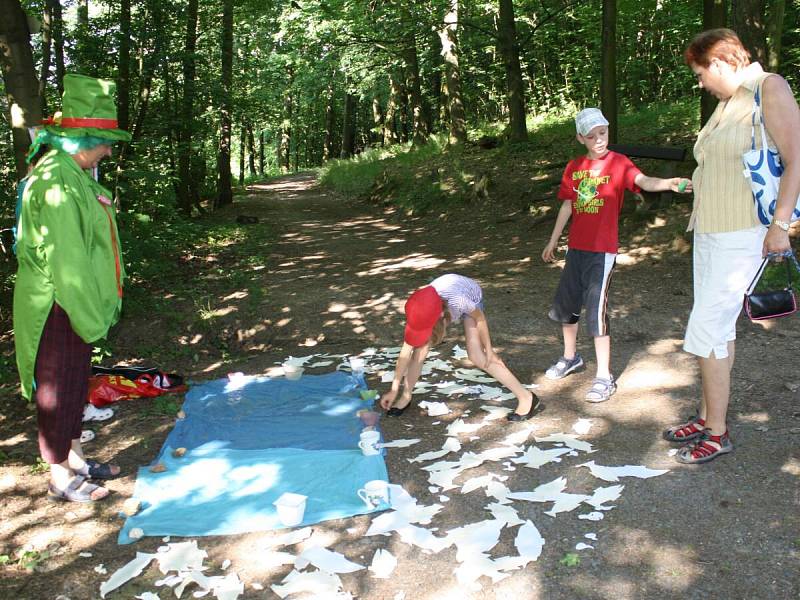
(112, 384)
(763, 167)
(772, 304)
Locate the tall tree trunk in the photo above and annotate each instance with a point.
(251, 150)
(81, 37)
(261, 152)
(748, 21)
(348, 126)
(224, 191)
(19, 79)
(420, 120)
(608, 79)
(242, 143)
(47, 38)
(714, 16)
(376, 133)
(284, 149)
(149, 64)
(185, 184)
(507, 41)
(774, 34)
(389, 122)
(57, 27)
(124, 65)
(452, 84)
(330, 122)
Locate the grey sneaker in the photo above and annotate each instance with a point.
(564, 366)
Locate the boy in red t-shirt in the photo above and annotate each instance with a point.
(592, 190)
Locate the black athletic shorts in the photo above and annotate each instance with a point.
(584, 284)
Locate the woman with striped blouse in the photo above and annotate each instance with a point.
(729, 241)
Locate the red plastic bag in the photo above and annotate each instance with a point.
(107, 389)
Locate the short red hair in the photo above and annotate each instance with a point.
(722, 44)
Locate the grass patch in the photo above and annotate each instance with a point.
(438, 176)
(162, 406)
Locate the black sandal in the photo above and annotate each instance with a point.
(78, 490)
(536, 407)
(397, 412)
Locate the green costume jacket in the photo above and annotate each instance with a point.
(68, 252)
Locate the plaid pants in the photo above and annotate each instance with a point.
(63, 368)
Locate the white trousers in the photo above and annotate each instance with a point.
(724, 265)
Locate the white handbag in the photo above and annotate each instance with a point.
(763, 168)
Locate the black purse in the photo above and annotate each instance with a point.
(773, 303)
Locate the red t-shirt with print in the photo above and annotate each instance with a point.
(596, 189)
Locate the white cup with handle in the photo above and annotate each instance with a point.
(368, 443)
(375, 493)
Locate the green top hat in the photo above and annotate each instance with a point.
(87, 108)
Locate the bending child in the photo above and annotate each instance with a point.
(426, 325)
(592, 189)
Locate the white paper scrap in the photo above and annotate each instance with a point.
(383, 563)
(125, 573)
(535, 457)
(226, 563)
(444, 498)
(547, 492)
(614, 473)
(495, 412)
(582, 546)
(320, 583)
(181, 556)
(288, 539)
(505, 513)
(459, 426)
(582, 426)
(568, 440)
(566, 503)
(519, 437)
(529, 542)
(590, 536)
(451, 444)
(147, 596)
(270, 559)
(326, 560)
(398, 443)
(435, 409)
(387, 377)
(592, 516)
(459, 353)
(475, 537)
(605, 494)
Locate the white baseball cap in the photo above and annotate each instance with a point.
(588, 119)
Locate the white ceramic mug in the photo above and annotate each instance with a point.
(375, 493)
(368, 443)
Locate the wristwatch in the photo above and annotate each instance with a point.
(782, 224)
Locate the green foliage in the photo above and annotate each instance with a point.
(39, 466)
(161, 406)
(570, 559)
(774, 278)
(31, 559)
(433, 176)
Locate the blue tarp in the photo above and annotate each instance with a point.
(249, 441)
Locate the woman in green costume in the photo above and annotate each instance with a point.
(68, 290)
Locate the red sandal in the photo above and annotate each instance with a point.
(705, 449)
(685, 432)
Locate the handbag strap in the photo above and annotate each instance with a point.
(757, 111)
(790, 258)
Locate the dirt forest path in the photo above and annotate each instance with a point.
(335, 281)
